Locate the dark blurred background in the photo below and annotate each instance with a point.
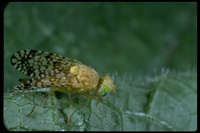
(135, 38)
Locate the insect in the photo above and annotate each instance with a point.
(48, 70)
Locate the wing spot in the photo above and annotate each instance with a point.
(31, 61)
(36, 58)
(39, 84)
(36, 67)
(42, 75)
(25, 72)
(32, 74)
(15, 66)
(43, 68)
(33, 81)
(19, 68)
(14, 60)
(37, 72)
(44, 62)
(22, 53)
(27, 52)
(17, 56)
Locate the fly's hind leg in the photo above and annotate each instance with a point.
(70, 101)
(29, 115)
(70, 106)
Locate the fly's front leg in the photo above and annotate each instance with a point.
(96, 97)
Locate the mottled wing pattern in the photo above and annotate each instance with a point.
(35, 63)
(31, 84)
(40, 65)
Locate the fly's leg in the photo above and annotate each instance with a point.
(29, 115)
(70, 102)
(87, 94)
(70, 105)
(70, 99)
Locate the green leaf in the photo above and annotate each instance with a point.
(160, 103)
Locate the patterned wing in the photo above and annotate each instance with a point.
(46, 68)
(36, 63)
(30, 84)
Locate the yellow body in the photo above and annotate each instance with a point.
(82, 78)
(48, 70)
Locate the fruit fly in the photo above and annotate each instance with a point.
(48, 70)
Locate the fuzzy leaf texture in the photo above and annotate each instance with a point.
(164, 102)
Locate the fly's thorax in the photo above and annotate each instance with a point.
(85, 78)
(105, 86)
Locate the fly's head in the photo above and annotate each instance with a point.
(106, 85)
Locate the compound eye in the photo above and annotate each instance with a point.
(104, 91)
